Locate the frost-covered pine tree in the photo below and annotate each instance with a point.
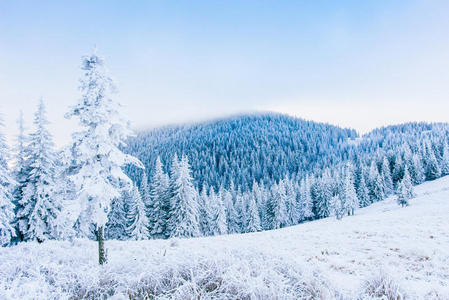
(445, 160)
(137, 216)
(363, 193)
(376, 185)
(416, 169)
(205, 211)
(291, 204)
(231, 213)
(218, 214)
(160, 202)
(145, 192)
(408, 185)
(253, 224)
(276, 212)
(116, 226)
(7, 183)
(40, 206)
(305, 200)
(337, 207)
(433, 170)
(97, 159)
(184, 210)
(348, 195)
(21, 170)
(322, 195)
(386, 176)
(401, 194)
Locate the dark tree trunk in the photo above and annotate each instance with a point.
(101, 250)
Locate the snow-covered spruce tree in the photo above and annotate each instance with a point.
(145, 193)
(363, 193)
(445, 160)
(433, 170)
(137, 216)
(184, 210)
(291, 204)
(348, 195)
(205, 212)
(401, 194)
(160, 202)
(7, 183)
(231, 213)
(407, 181)
(116, 227)
(337, 207)
(218, 214)
(241, 208)
(97, 159)
(40, 206)
(305, 201)
(276, 212)
(416, 169)
(376, 185)
(322, 196)
(386, 176)
(21, 170)
(253, 224)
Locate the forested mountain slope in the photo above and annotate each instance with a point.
(260, 147)
(266, 147)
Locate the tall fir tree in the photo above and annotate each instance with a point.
(253, 224)
(184, 210)
(218, 214)
(97, 159)
(349, 195)
(116, 227)
(40, 206)
(305, 200)
(445, 160)
(7, 183)
(159, 202)
(276, 211)
(137, 216)
(231, 213)
(363, 193)
(386, 176)
(376, 184)
(21, 170)
(433, 170)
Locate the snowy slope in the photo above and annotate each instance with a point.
(326, 259)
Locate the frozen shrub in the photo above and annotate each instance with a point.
(382, 287)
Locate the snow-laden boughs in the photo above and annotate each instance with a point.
(6, 198)
(40, 206)
(137, 216)
(184, 209)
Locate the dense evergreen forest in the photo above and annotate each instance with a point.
(244, 149)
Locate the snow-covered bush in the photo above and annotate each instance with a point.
(383, 287)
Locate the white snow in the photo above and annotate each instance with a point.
(328, 258)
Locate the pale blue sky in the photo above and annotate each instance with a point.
(353, 63)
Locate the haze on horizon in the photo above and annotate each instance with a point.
(358, 64)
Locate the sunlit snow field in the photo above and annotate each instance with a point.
(325, 259)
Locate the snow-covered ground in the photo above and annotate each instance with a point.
(327, 259)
